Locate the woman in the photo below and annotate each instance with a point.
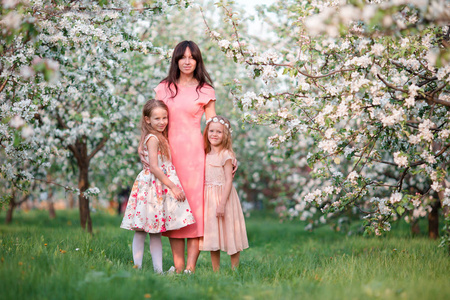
(188, 92)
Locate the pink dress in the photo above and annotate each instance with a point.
(228, 233)
(152, 207)
(186, 143)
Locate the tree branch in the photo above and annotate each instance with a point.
(67, 188)
(400, 183)
(98, 148)
(391, 86)
(438, 101)
(421, 162)
(417, 127)
(380, 161)
(72, 148)
(3, 85)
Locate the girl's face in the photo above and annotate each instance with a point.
(158, 119)
(187, 63)
(216, 133)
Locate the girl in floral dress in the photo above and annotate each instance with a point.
(157, 201)
(224, 224)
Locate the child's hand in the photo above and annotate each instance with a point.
(178, 193)
(220, 212)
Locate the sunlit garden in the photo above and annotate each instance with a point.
(339, 117)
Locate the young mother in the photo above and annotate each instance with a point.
(188, 93)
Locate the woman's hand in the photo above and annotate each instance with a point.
(178, 193)
(143, 157)
(220, 212)
(235, 166)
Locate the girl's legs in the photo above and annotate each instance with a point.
(156, 252)
(138, 247)
(192, 253)
(215, 260)
(235, 260)
(177, 246)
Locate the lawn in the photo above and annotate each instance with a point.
(55, 259)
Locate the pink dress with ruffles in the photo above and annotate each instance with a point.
(186, 142)
(228, 233)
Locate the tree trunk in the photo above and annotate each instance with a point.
(71, 200)
(415, 228)
(51, 210)
(51, 204)
(79, 150)
(433, 220)
(12, 205)
(445, 209)
(83, 185)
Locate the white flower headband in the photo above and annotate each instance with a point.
(216, 120)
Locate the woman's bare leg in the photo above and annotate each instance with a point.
(215, 260)
(177, 246)
(235, 260)
(192, 253)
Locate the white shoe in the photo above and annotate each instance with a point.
(189, 272)
(172, 270)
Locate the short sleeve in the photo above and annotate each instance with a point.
(226, 155)
(207, 94)
(148, 137)
(161, 91)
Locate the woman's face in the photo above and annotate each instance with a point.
(187, 63)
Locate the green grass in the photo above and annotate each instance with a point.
(283, 262)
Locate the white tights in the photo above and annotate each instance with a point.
(155, 249)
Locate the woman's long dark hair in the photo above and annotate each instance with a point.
(200, 72)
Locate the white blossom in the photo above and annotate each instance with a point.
(436, 186)
(328, 146)
(12, 20)
(395, 197)
(377, 49)
(224, 43)
(352, 176)
(400, 159)
(16, 122)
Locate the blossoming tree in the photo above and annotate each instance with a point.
(367, 84)
(64, 84)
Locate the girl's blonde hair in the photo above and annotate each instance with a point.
(226, 141)
(147, 129)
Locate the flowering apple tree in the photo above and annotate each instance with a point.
(367, 83)
(65, 85)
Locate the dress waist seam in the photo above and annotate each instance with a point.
(212, 183)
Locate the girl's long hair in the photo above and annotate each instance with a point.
(200, 72)
(227, 143)
(147, 129)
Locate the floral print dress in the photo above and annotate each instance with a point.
(152, 206)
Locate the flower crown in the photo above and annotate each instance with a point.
(216, 120)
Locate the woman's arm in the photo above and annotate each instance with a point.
(228, 168)
(210, 109)
(152, 145)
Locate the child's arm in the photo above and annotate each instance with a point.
(152, 145)
(228, 168)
